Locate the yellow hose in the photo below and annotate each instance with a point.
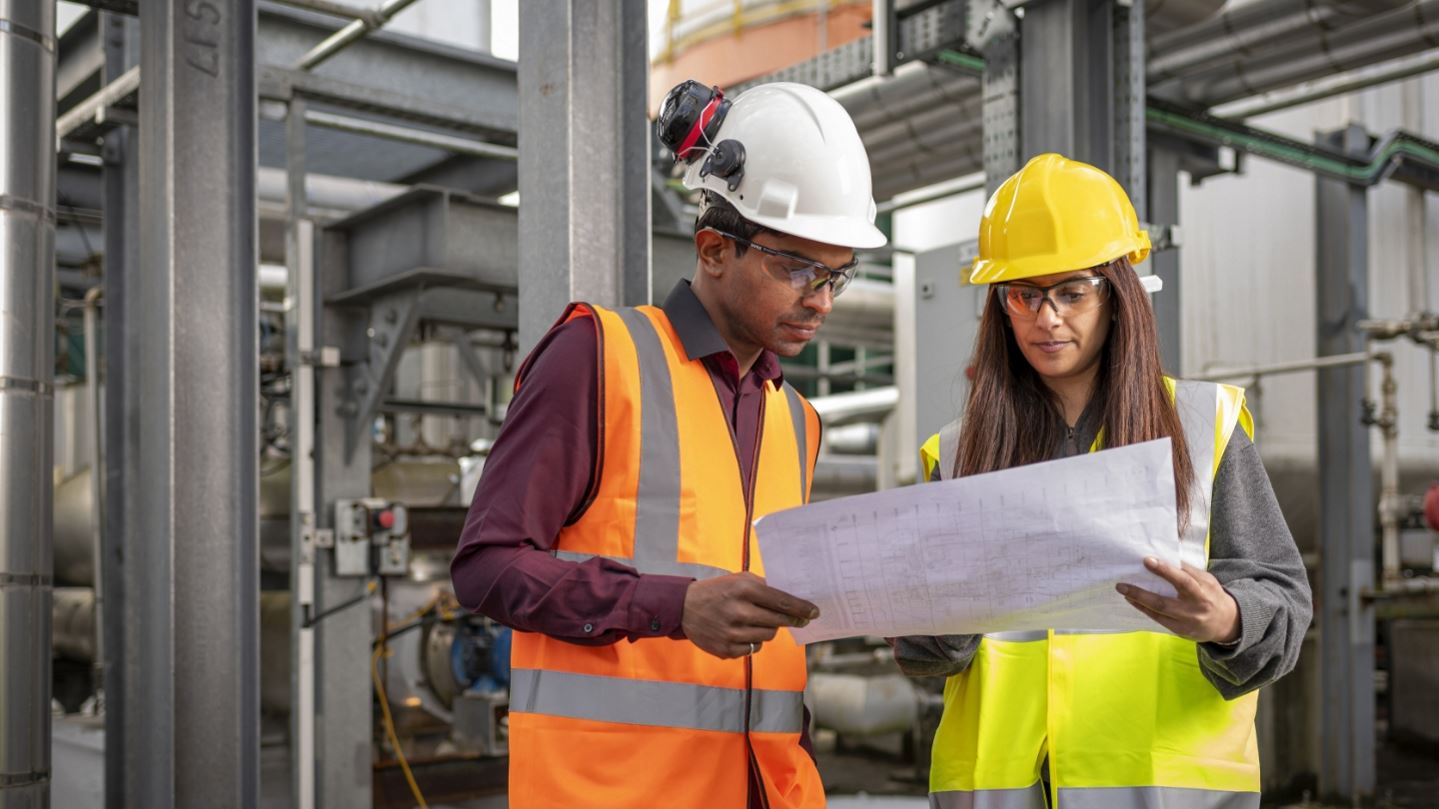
(390, 726)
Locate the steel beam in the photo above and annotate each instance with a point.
(390, 72)
(27, 266)
(1066, 80)
(1346, 487)
(121, 188)
(193, 575)
(342, 640)
(1163, 190)
(584, 158)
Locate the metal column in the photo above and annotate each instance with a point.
(1081, 78)
(342, 698)
(1163, 186)
(1346, 487)
(192, 572)
(27, 267)
(584, 158)
(121, 178)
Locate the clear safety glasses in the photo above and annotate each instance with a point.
(803, 274)
(1072, 297)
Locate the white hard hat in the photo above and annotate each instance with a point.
(787, 157)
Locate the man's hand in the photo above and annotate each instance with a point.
(1203, 610)
(730, 616)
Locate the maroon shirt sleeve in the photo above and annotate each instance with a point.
(535, 479)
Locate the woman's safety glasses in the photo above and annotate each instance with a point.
(1073, 297)
(803, 274)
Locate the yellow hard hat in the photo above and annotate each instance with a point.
(1056, 215)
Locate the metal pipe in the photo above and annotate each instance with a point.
(946, 112)
(841, 408)
(1328, 88)
(920, 173)
(1321, 53)
(882, 36)
(94, 107)
(300, 343)
(927, 143)
(27, 243)
(1255, 372)
(1390, 507)
(875, 100)
(352, 33)
(97, 506)
(326, 191)
(335, 9)
(449, 143)
(948, 188)
(1251, 28)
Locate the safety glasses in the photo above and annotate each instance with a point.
(1072, 297)
(803, 274)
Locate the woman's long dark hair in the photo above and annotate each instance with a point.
(1010, 418)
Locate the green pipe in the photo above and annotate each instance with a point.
(1272, 147)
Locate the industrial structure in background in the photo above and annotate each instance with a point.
(250, 605)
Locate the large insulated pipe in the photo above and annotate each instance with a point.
(27, 327)
(1410, 29)
(1249, 29)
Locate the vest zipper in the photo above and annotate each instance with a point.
(748, 526)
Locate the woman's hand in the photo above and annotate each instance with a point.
(1202, 611)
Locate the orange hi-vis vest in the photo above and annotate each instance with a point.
(657, 721)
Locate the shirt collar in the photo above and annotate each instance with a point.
(699, 337)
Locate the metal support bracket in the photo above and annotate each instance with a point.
(393, 320)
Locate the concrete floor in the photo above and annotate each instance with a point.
(873, 775)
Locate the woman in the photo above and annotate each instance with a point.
(1067, 361)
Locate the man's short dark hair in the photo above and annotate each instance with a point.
(717, 212)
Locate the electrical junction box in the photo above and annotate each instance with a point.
(372, 537)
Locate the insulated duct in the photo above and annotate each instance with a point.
(1315, 53)
(1250, 29)
(27, 259)
(1209, 65)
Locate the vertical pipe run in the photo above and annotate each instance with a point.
(97, 502)
(27, 259)
(300, 323)
(1389, 505)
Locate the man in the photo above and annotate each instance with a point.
(611, 526)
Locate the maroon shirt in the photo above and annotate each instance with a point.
(537, 477)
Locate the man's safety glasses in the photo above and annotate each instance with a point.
(1073, 297)
(803, 274)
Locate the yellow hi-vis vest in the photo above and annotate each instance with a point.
(1126, 719)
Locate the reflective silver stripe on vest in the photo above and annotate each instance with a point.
(1024, 636)
(657, 500)
(1031, 797)
(663, 568)
(651, 702)
(1154, 798)
(948, 449)
(1198, 406)
(776, 711)
(801, 437)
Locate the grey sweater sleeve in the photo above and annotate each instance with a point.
(1253, 554)
(934, 655)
